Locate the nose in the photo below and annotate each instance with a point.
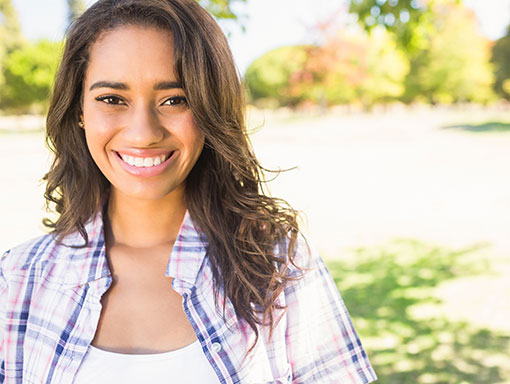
(143, 128)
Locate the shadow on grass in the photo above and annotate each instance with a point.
(389, 291)
(493, 126)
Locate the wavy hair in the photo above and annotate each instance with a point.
(224, 190)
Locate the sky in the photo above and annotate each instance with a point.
(269, 23)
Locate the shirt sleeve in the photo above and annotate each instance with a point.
(322, 344)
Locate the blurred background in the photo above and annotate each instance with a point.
(394, 116)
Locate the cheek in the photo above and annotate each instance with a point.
(99, 129)
(97, 139)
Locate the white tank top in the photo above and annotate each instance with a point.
(185, 365)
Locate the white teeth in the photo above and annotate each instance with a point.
(143, 162)
(130, 160)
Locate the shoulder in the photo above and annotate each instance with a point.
(301, 255)
(42, 258)
(306, 267)
(22, 256)
(306, 270)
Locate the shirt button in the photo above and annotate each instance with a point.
(216, 347)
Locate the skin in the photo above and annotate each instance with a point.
(131, 114)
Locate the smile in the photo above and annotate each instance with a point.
(145, 162)
(146, 166)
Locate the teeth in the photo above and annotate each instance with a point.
(143, 162)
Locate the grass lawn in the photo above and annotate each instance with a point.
(391, 292)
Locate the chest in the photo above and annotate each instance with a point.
(141, 312)
(53, 336)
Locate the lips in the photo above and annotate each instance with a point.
(145, 166)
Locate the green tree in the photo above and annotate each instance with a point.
(10, 33)
(411, 21)
(331, 72)
(501, 60)
(456, 65)
(270, 76)
(386, 70)
(349, 67)
(354, 67)
(76, 8)
(29, 74)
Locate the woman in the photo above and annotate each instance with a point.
(166, 263)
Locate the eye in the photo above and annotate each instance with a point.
(110, 99)
(176, 101)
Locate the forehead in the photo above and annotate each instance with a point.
(129, 51)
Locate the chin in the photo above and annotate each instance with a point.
(146, 192)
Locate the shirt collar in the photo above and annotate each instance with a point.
(188, 252)
(184, 263)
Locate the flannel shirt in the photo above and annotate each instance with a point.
(50, 305)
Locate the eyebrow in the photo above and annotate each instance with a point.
(164, 85)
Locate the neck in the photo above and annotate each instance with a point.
(136, 223)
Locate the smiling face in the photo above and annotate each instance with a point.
(138, 125)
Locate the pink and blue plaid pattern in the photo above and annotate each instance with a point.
(50, 305)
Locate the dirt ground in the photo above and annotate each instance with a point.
(440, 176)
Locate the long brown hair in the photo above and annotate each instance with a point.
(224, 191)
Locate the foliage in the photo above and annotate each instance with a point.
(390, 291)
(29, 73)
(387, 68)
(349, 67)
(501, 60)
(411, 21)
(10, 32)
(331, 73)
(269, 77)
(354, 67)
(455, 67)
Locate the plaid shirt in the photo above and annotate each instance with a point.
(50, 305)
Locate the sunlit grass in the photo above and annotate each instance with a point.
(390, 293)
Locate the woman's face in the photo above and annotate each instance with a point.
(138, 126)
